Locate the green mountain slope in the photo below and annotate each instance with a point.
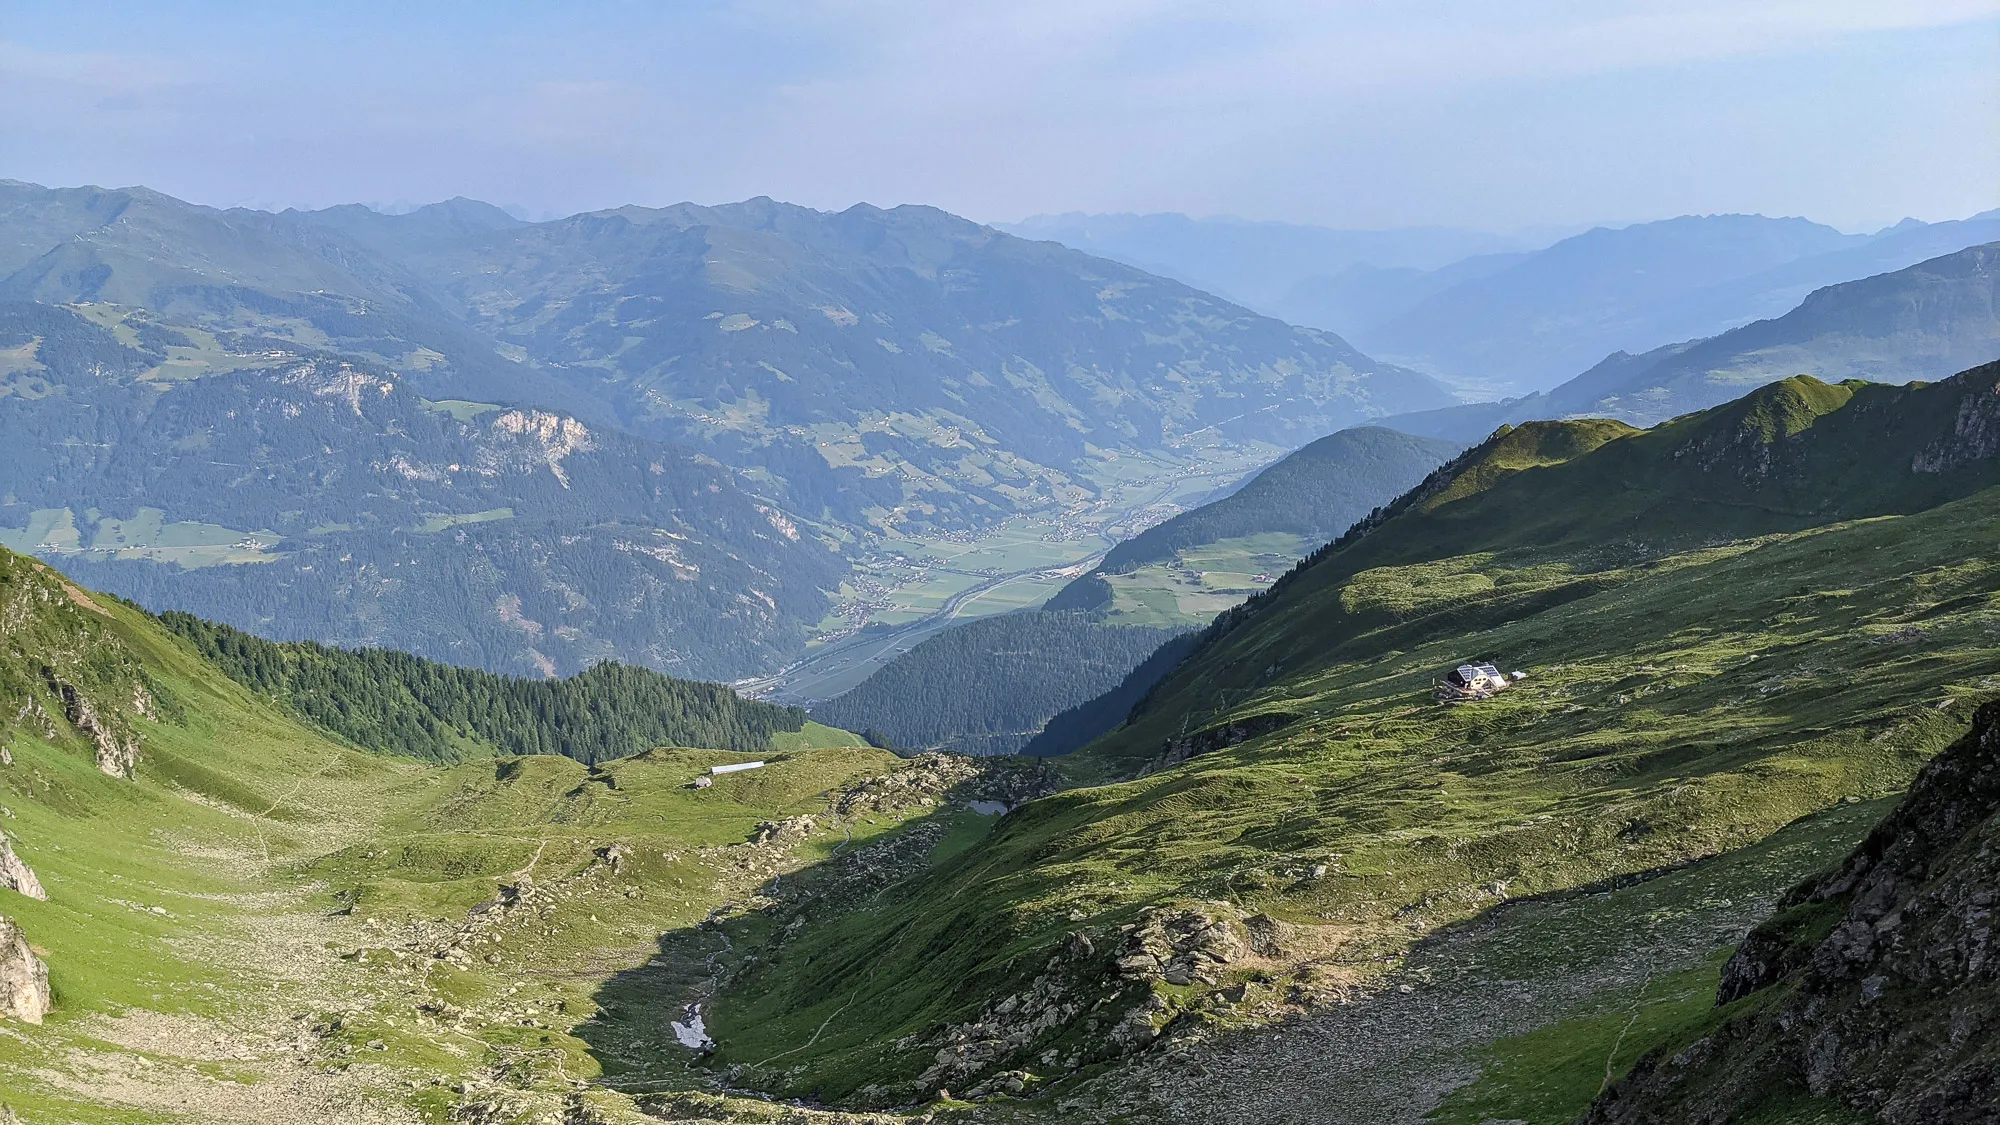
(1923, 322)
(1728, 623)
(1535, 513)
(302, 496)
(989, 686)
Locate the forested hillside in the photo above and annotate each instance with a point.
(988, 686)
(1075, 727)
(395, 703)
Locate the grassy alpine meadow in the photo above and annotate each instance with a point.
(266, 924)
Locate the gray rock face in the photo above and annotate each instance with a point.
(24, 980)
(117, 751)
(15, 875)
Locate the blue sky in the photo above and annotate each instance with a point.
(1458, 112)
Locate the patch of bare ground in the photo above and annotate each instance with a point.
(272, 1090)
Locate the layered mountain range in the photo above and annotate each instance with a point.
(654, 435)
(871, 366)
(1926, 321)
(1516, 314)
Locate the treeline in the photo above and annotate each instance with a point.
(396, 703)
(988, 686)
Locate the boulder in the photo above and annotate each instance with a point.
(24, 980)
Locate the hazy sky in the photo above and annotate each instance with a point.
(1487, 113)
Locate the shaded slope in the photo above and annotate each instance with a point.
(988, 686)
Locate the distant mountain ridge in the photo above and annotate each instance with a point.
(1258, 262)
(827, 378)
(1926, 321)
(872, 366)
(1517, 314)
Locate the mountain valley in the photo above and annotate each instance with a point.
(1743, 633)
(1091, 756)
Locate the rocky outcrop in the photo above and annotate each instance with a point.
(117, 751)
(785, 832)
(24, 980)
(117, 747)
(1874, 990)
(16, 875)
(1010, 1028)
(1179, 945)
(1183, 747)
(933, 779)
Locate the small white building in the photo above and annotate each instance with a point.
(1472, 681)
